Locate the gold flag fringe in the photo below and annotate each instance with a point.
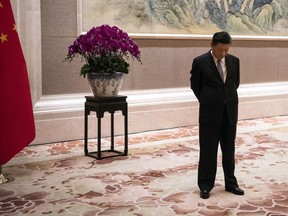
(3, 178)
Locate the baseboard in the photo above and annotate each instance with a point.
(60, 117)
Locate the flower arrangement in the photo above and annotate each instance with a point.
(104, 49)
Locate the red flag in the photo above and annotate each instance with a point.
(17, 127)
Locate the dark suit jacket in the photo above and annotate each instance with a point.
(211, 92)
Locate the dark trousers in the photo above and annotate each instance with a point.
(209, 137)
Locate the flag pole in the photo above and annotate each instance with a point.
(3, 179)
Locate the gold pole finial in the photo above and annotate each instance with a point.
(3, 179)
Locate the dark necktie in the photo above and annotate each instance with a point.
(219, 67)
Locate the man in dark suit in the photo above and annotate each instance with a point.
(214, 80)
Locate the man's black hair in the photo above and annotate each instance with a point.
(222, 37)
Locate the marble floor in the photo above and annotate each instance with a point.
(158, 177)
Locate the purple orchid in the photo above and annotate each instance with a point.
(104, 49)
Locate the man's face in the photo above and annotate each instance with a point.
(220, 50)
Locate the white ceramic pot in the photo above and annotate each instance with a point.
(105, 84)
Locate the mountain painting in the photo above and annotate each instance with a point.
(238, 17)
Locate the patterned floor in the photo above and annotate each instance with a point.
(158, 177)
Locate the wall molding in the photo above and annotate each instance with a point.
(74, 102)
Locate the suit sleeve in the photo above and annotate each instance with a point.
(195, 79)
(238, 74)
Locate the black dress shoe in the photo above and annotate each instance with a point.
(204, 194)
(235, 190)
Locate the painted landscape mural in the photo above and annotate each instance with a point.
(239, 17)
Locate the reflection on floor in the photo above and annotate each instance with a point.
(158, 177)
